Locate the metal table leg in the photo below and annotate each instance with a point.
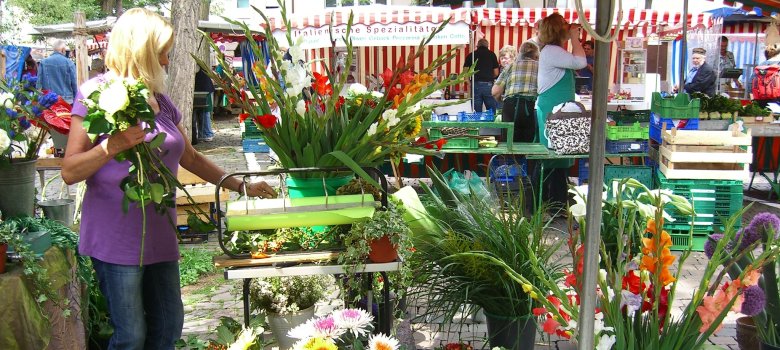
(386, 315)
(246, 301)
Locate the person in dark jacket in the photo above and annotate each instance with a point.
(701, 77)
(204, 84)
(486, 72)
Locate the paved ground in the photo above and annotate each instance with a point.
(213, 297)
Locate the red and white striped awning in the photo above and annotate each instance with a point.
(373, 15)
(631, 18)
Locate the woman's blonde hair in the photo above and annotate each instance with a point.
(529, 50)
(508, 50)
(138, 39)
(553, 30)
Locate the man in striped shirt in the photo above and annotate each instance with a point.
(518, 85)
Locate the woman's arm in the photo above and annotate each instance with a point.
(199, 165)
(576, 45)
(83, 159)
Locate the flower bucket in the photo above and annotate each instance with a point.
(382, 250)
(60, 210)
(17, 189)
(511, 332)
(281, 324)
(3, 256)
(747, 336)
(313, 187)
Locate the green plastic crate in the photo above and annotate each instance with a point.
(678, 107)
(630, 132)
(251, 130)
(681, 240)
(643, 174)
(457, 142)
(629, 117)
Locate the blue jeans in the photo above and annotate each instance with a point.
(482, 95)
(205, 125)
(144, 303)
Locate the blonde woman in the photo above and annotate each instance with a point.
(144, 301)
(555, 86)
(506, 56)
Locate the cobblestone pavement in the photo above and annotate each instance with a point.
(215, 297)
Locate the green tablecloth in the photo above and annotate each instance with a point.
(23, 326)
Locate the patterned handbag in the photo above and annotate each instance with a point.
(569, 132)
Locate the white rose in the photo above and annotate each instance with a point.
(114, 98)
(372, 129)
(7, 99)
(5, 141)
(300, 107)
(89, 87)
(357, 89)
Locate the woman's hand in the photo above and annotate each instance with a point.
(574, 31)
(123, 140)
(260, 189)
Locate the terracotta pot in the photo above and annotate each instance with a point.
(747, 336)
(3, 256)
(382, 250)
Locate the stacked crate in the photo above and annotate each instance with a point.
(680, 112)
(252, 139)
(708, 168)
(630, 132)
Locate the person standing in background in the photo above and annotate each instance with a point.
(485, 72)
(58, 74)
(727, 61)
(518, 84)
(556, 85)
(506, 56)
(701, 77)
(30, 66)
(204, 84)
(587, 72)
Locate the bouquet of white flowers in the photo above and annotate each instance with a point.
(348, 328)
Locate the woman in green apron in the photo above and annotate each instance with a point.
(556, 85)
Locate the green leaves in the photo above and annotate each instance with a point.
(157, 141)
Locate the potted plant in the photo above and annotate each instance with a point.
(287, 302)
(6, 236)
(379, 239)
(763, 300)
(25, 120)
(455, 261)
(316, 127)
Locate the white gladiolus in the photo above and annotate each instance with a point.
(5, 141)
(296, 79)
(376, 94)
(296, 52)
(114, 98)
(300, 107)
(372, 129)
(391, 115)
(357, 89)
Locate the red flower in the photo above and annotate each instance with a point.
(422, 141)
(57, 117)
(538, 311)
(440, 143)
(387, 77)
(339, 103)
(267, 121)
(242, 117)
(406, 77)
(321, 84)
(551, 325)
(392, 93)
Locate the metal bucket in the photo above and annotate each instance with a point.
(61, 210)
(17, 189)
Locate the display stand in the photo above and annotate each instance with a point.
(241, 266)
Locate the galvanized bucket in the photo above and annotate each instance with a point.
(17, 189)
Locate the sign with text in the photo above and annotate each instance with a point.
(379, 34)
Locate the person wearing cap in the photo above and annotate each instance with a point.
(701, 77)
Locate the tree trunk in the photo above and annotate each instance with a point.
(181, 71)
(106, 6)
(120, 8)
(82, 56)
(648, 4)
(204, 48)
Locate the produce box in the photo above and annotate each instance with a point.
(462, 142)
(628, 132)
(678, 107)
(700, 154)
(629, 117)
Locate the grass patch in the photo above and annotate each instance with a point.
(194, 263)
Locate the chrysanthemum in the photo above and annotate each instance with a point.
(325, 327)
(315, 344)
(355, 321)
(382, 342)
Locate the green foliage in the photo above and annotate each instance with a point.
(287, 295)
(194, 263)
(45, 12)
(754, 109)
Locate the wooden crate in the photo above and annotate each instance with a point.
(181, 212)
(704, 154)
(200, 190)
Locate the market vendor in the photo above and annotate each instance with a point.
(555, 85)
(518, 85)
(701, 77)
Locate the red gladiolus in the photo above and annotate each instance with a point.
(406, 77)
(242, 117)
(339, 103)
(321, 84)
(392, 93)
(440, 143)
(387, 77)
(267, 120)
(551, 325)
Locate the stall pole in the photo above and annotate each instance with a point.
(597, 144)
(82, 55)
(748, 77)
(683, 48)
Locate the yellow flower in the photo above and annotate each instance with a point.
(414, 128)
(320, 344)
(527, 288)
(534, 295)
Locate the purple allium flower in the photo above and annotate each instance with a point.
(749, 235)
(711, 244)
(764, 222)
(754, 300)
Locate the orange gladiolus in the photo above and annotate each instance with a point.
(651, 248)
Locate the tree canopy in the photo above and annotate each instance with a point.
(45, 12)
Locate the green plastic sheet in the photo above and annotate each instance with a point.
(309, 218)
